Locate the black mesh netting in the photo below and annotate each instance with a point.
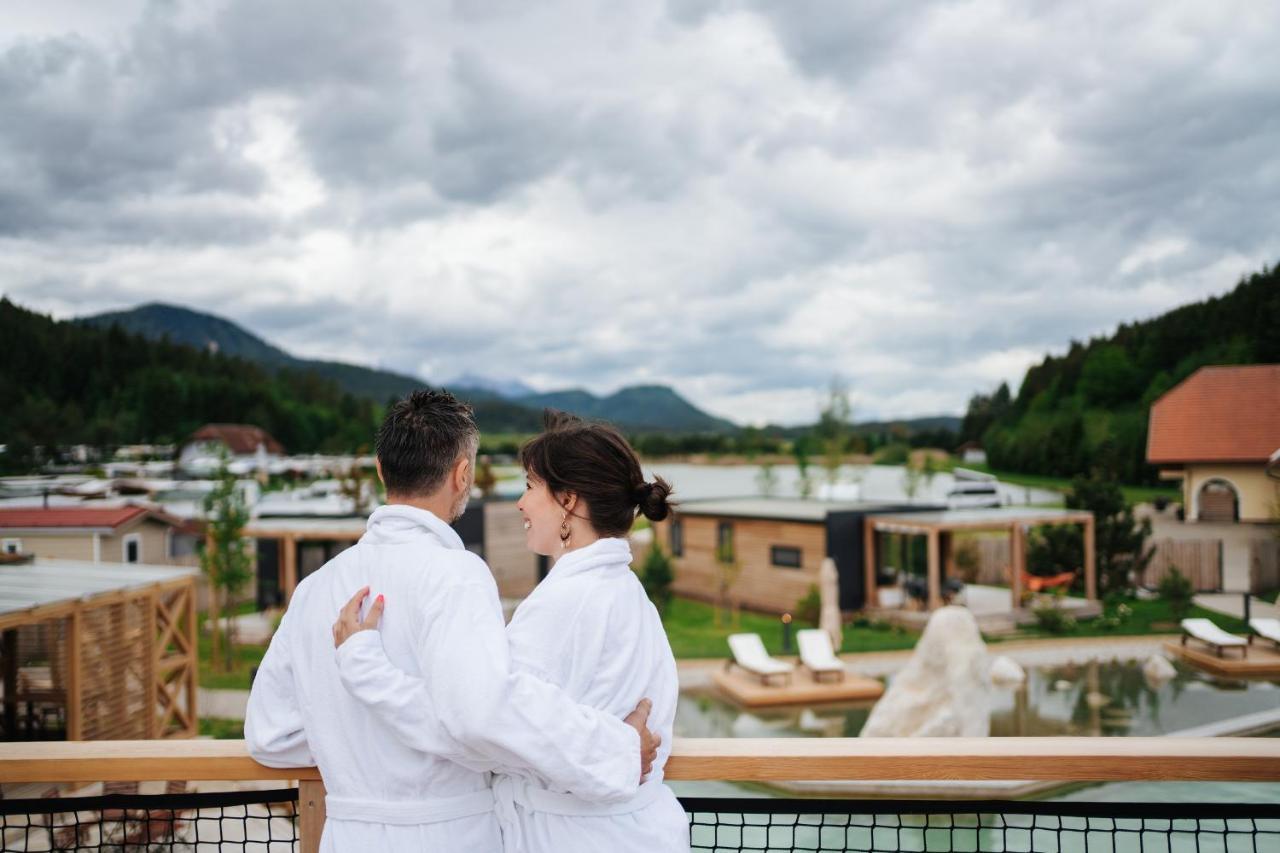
(265, 820)
(903, 826)
(235, 820)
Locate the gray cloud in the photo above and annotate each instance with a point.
(738, 198)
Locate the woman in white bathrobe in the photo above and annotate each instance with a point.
(588, 628)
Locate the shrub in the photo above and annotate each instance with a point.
(1052, 616)
(809, 608)
(1175, 588)
(656, 576)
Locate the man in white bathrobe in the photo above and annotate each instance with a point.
(440, 620)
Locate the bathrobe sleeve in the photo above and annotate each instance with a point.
(509, 717)
(273, 730)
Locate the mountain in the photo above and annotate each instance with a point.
(643, 408)
(1089, 407)
(210, 333)
(509, 389)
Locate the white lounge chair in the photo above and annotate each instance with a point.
(1211, 635)
(817, 656)
(1265, 628)
(749, 654)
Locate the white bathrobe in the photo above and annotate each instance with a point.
(443, 622)
(590, 629)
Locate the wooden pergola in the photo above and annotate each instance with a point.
(290, 532)
(97, 651)
(939, 528)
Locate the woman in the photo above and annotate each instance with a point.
(590, 629)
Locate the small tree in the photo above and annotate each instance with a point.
(656, 576)
(804, 482)
(224, 556)
(912, 479)
(834, 424)
(727, 570)
(809, 608)
(767, 480)
(486, 481)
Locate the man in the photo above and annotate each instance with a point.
(442, 623)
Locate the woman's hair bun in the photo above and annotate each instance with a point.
(652, 499)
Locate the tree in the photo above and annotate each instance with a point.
(834, 424)
(767, 480)
(804, 482)
(1120, 540)
(225, 557)
(727, 570)
(656, 576)
(485, 480)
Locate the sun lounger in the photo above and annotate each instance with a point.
(1211, 635)
(749, 654)
(817, 656)
(1266, 629)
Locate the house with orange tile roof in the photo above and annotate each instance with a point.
(245, 448)
(1217, 431)
(120, 534)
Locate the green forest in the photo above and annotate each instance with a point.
(66, 384)
(1088, 409)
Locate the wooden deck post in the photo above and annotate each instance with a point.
(151, 664)
(872, 596)
(289, 562)
(1017, 562)
(75, 694)
(311, 813)
(1090, 561)
(935, 569)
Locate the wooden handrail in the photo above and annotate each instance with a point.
(745, 760)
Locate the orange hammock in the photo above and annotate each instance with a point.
(1038, 583)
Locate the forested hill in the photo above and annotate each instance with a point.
(1089, 407)
(65, 383)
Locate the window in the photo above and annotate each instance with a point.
(12, 546)
(724, 542)
(133, 548)
(785, 556)
(677, 538)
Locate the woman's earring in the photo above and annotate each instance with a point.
(565, 532)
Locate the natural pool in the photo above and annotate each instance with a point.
(1095, 698)
(1103, 698)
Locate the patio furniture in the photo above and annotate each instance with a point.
(750, 655)
(1211, 635)
(1266, 628)
(817, 656)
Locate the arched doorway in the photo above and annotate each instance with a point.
(1218, 501)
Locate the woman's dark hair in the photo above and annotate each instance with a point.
(594, 461)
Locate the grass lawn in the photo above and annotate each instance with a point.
(692, 630)
(1132, 494)
(221, 729)
(1149, 617)
(246, 656)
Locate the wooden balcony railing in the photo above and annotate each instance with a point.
(746, 760)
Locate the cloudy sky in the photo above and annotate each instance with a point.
(740, 199)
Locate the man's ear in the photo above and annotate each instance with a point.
(377, 463)
(462, 475)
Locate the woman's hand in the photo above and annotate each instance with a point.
(349, 621)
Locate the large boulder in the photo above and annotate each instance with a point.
(945, 689)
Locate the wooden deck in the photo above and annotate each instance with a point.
(747, 690)
(1262, 661)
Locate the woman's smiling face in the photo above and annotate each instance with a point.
(542, 515)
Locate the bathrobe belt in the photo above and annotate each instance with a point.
(409, 812)
(512, 791)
